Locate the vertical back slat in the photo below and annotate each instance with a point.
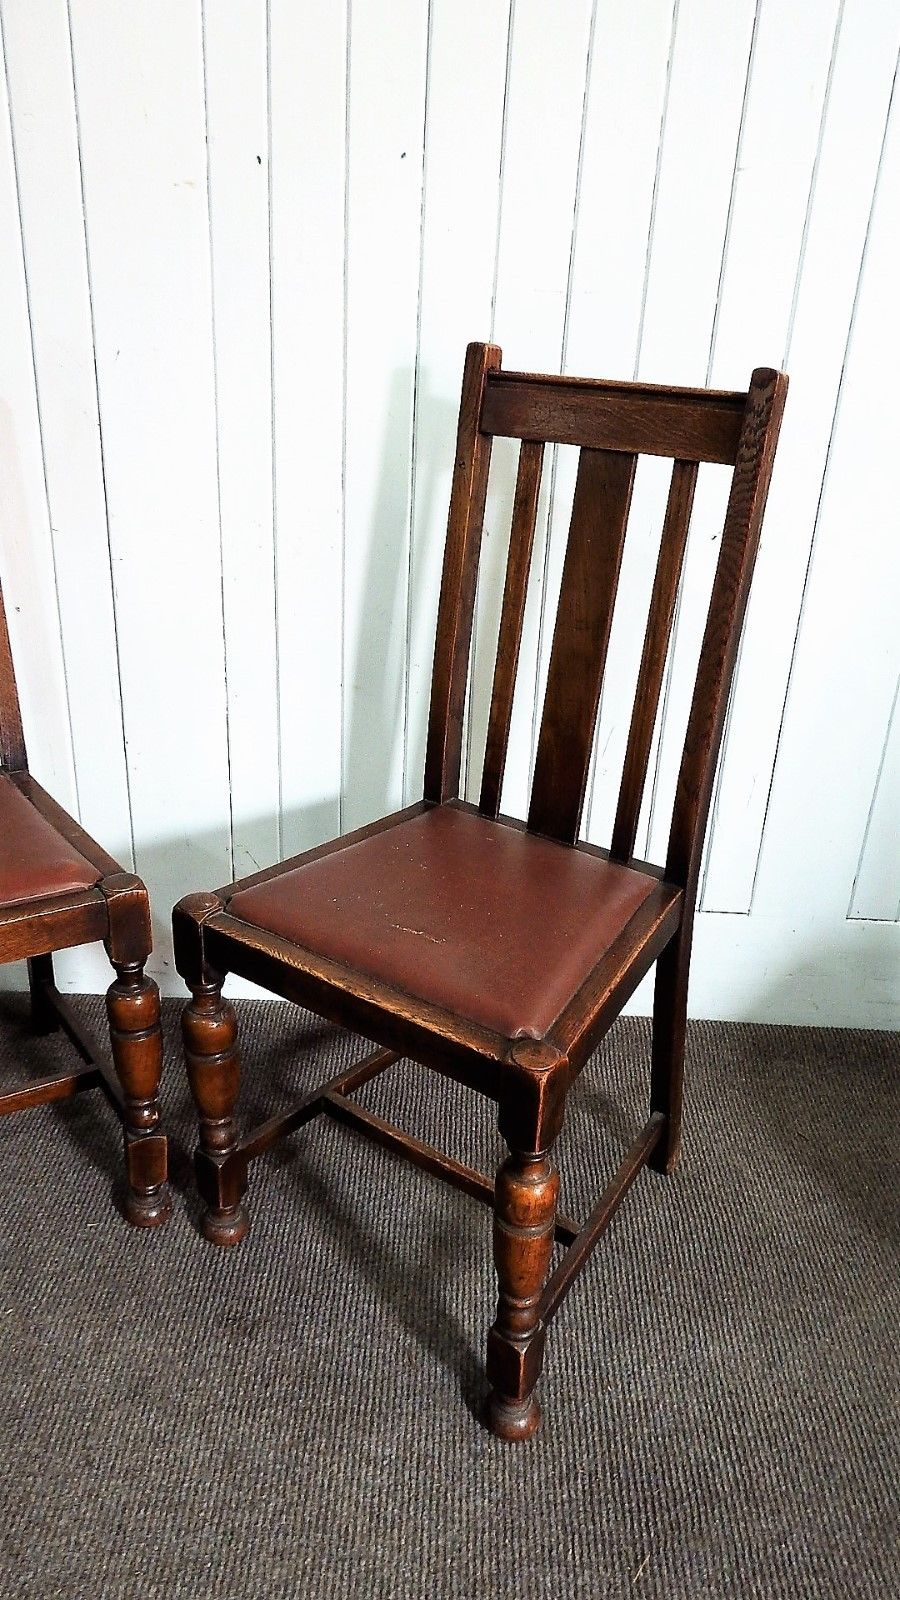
(580, 641)
(653, 657)
(731, 585)
(443, 753)
(518, 567)
(12, 739)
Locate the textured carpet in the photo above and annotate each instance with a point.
(296, 1417)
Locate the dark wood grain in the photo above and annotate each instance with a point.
(512, 616)
(34, 923)
(456, 608)
(132, 1005)
(530, 1073)
(580, 641)
(209, 1030)
(633, 418)
(37, 927)
(46, 1091)
(525, 1197)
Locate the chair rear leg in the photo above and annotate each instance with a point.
(669, 1028)
(132, 1005)
(40, 973)
(525, 1197)
(209, 1029)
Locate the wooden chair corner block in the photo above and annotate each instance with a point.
(495, 951)
(58, 888)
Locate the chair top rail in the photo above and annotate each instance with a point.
(639, 418)
(622, 386)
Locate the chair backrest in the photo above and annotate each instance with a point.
(612, 423)
(12, 739)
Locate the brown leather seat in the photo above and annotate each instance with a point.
(479, 918)
(35, 860)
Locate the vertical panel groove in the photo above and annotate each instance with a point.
(275, 570)
(510, 29)
(215, 369)
(738, 150)
(813, 179)
(510, 32)
(875, 789)
(673, 646)
(39, 413)
(794, 218)
(564, 343)
(415, 401)
(100, 430)
(822, 487)
(344, 371)
(714, 808)
(631, 68)
(655, 196)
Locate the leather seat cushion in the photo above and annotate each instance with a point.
(35, 860)
(493, 924)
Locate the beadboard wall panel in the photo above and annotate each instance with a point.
(235, 45)
(28, 553)
(242, 248)
(860, 94)
(307, 161)
(147, 225)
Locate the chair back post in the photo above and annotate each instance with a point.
(724, 624)
(13, 756)
(443, 757)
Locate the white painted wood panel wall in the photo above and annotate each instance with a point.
(242, 248)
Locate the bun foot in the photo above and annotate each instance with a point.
(225, 1227)
(148, 1208)
(511, 1420)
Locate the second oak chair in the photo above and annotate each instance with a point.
(58, 889)
(495, 952)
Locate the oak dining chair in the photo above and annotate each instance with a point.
(496, 951)
(58, 888)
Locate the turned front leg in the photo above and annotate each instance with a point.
(132, 1005)
(525, 1197)
(209, 1028)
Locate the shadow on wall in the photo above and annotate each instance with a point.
(385, 598)
(373, 694)
(375, 668)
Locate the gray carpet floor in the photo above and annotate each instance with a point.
(298, 1416)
